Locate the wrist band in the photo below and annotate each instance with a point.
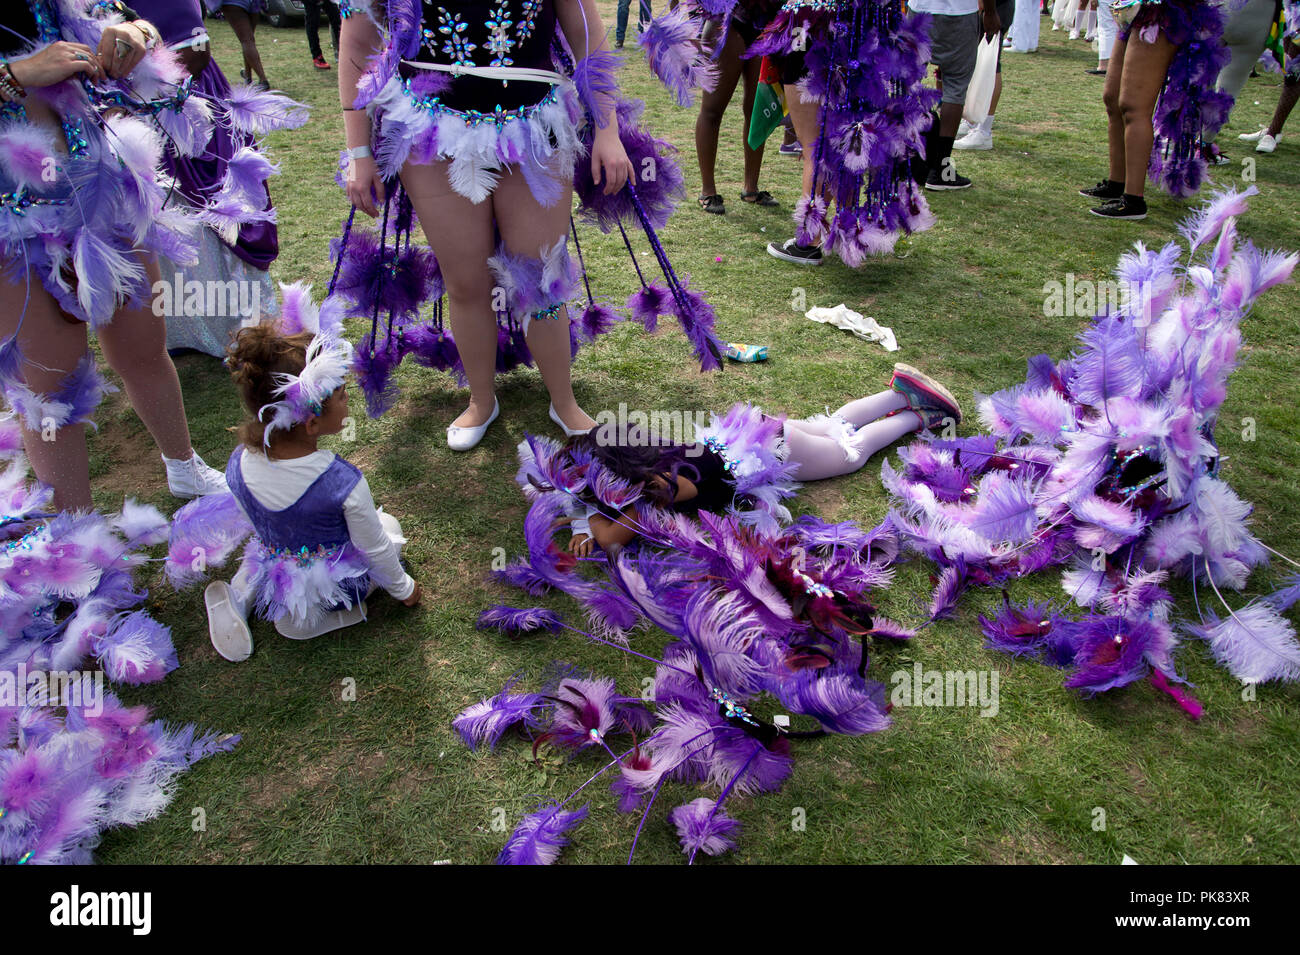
(10, 88)
(359, 152)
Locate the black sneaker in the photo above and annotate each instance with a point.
(1106, 189)
(949, 179)
(791, 251)
(1125, 207)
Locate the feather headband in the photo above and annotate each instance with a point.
(329, 357)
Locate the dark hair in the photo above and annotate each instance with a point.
(257, 355)
(641, 463)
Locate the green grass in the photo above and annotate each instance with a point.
(383, 778)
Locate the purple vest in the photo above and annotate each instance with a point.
(314, 520)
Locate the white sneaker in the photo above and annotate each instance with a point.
(1074, 34)
(1256, 136)
(975, 139)
(1267, 143)
(463, 439)
(963, 128)
(227, 627)
(193, 478)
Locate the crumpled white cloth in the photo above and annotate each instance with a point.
(841, 316)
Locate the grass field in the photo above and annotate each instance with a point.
(323, 778)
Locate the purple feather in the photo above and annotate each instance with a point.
(948, 590)
(513, 620)
(675, 57)
(258, 112)
(703, 827)
(841, 703)
(595, 77)
(205, 532)
(522, 575)
(648, 303)
(489, 719)
(137, 650)
(540, 836)
(1256, 643)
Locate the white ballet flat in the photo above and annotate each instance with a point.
(570, 432)
(462, 439)
(227, 627)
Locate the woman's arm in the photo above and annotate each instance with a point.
(359, 39)
(615, 533)
(583, 29)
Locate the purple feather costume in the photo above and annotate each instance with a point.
(1105, 462)
(80, 202)
(73, 760)
(1190, 110)
(864, 61)
(482, 128)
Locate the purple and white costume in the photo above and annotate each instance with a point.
(493, 89)
(80, 202)
(318, 542)
(864, 61)
(1190, 110)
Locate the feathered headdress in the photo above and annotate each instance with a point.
(329, 356)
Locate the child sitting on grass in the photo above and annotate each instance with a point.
(319, 544)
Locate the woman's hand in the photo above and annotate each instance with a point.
(121, 48)
(609, 162)
(580, 545)
(414, 599)
(56, 63)
(365, 185)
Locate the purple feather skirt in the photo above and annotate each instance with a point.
(752, 447)
(301, 585)
(104, 206)
(1190, 110)
(865, 63)
(411, 123)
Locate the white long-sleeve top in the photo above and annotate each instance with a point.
(277, 484)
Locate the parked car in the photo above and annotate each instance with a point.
(281, 13)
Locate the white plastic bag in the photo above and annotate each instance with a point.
(979, 95)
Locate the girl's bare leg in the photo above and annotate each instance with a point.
(462, 254)
(527, 228)
(52, 347)
(135, 346)
(1114, 117)
(1145, 67)
(244, 27)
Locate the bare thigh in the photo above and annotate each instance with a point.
(527, 227)
(459, 232)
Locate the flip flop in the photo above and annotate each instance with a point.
(713, 204)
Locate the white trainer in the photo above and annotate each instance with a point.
(975, 139)
(963, 128)
(193, 477)
(463, 439)
(1254, 137)
(1267, 143)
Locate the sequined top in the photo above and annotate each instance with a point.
(498, 33)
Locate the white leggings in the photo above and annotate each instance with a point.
(824, 448)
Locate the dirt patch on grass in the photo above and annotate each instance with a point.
(314, 776)
(1030, 847)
